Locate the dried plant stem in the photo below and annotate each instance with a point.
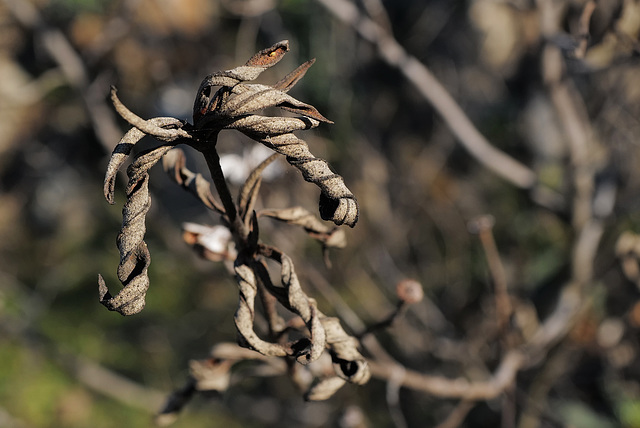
(456, 417)
(457, 388)
(483, 226)
(583, 43)
(232, 107)
(231, 211)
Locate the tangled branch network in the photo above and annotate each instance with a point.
(233, 106)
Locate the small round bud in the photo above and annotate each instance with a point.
(409, 291)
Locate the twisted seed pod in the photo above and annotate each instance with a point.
(245, 314)
(292, 297)
(231, 107)
(123, 149)
(174, 164)
(337, 202)
(134, 255)
(206, 101)
(329, 236)
(349, 364)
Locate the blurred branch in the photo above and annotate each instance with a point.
(73, 68)
(106, 382)
(433, 91)
(93, 375)
(456, 417)
(587, 12)
(459, 387)
(482, 226)
(8, 420)
(553, 368)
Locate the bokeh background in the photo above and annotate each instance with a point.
(65, 361)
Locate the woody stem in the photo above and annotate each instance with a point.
(235, 223)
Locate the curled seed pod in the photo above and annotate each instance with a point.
(134, 255)
(337, 203)
(174, 163)
(324, 389)
(245, 314)
(348, 363)
(206, 101)
(329, 236)
(233, 105)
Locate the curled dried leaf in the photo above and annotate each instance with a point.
(134, 255)
(162, 128)
(324, 389)
(211, 374)
(269, 56)
(348, 362)
(207, 101)
(298, 216)
(174, 163)
(123, 149)
(245, 314)
(337, 203)
(250, 188)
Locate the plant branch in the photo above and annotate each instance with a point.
(433, 91)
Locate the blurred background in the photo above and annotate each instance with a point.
(65, 361)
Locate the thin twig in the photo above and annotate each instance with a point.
(483, 226)
(583, 34)
(457, 416)
(433, 91)
(461, 388)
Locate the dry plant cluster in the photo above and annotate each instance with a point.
(233, 106)
(523, 239)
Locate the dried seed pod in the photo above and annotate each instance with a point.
(134, 255)
(245, 314)
(233, 106)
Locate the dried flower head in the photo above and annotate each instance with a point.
(232, 106)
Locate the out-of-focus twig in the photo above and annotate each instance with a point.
(456, 417)
(87, 372)
(433, 91)
(462, 388)
(73, 68)
(482, 227)
(583, 35)
(115, 386)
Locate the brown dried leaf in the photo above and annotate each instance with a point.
(174, 163)
(328, 236)
(269, 56)
(324, 389)
(251, 186)
(289, 81)
(249, 98)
